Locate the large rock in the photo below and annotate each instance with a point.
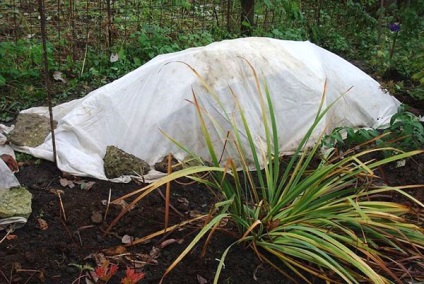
(30, 130)
(119, 163)
(15, 202)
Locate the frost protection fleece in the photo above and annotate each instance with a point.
(131, 112)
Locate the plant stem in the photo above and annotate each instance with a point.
(392, 49)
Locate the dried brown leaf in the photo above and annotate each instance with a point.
(11, 237)
(155, 252)
(115, 251)
(42, 224)
(63, 182)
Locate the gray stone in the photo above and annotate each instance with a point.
(119, 163)
(15, 202)
(30, 130)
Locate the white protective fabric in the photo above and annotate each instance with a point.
(8, 180)
(7, 177)
(131, 111)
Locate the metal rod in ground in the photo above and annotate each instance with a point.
(109, 24)
(45, 72)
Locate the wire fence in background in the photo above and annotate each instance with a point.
(73, 25)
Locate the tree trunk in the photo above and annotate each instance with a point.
(247, 16)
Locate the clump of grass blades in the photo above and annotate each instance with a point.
(329, 221)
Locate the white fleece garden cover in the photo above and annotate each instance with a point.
(131, 112)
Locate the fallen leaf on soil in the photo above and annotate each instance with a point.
(122, 204)
(87, 185)
(155, 252)
(201, 280)
(115, 251)
(66, 183)
(42, 224)
(11, 237)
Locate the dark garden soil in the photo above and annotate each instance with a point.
(56, 240)
(38, 255)
(77, 233)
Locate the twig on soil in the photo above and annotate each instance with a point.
(107, 205)
(9, 231)
(34, 271)
(9, 280)
(28, 270)
(256, 271)
(62, 209)
(78, 280)
(111, 233)
(63, 214)
(5, 277)
(67, 230)
(78, 233)
(62, 261)
(170, 205)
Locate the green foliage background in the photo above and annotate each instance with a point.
(82, 47)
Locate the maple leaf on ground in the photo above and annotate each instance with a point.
(132, 277)
(106, 271)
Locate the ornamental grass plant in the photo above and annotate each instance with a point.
(332, 219)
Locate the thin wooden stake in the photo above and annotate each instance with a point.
(109, 24)
(46, 73)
